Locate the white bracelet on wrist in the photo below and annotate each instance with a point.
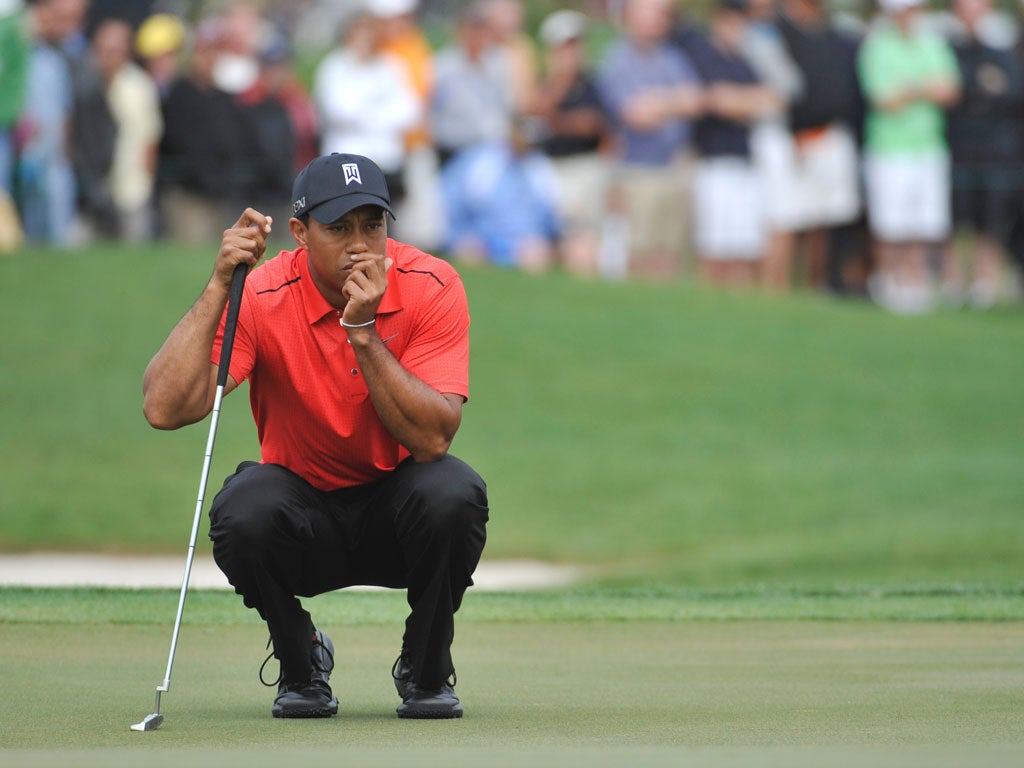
(356, 325)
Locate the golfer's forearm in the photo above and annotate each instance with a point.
(179, 383)
(416, 415)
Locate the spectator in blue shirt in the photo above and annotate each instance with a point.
(46, 180)
(500, 199)
(652, 93)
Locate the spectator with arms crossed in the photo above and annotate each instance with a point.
(573, 129)
(986, 140)
(909, 76)
(652, 92)
(729, 208)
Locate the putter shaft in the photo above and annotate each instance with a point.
(153, 721)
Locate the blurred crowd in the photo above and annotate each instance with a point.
(765, 143)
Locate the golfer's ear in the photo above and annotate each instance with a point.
(299, 231)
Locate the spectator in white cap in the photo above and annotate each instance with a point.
(573, 129)
(909, 76)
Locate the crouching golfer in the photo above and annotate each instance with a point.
(356, 351)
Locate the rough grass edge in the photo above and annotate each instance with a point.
(893, 602)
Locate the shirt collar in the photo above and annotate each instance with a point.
(317, 307)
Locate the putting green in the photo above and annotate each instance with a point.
(707, 693)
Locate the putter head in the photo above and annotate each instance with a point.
(149, 722)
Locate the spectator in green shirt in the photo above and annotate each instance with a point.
(13, 73)
(909, 76)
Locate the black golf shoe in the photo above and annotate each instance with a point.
(421, 703)
(311, 698)
(321, 654)
(401, 673)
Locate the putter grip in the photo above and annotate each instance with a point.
(231, 322)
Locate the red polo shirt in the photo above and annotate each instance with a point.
(312, 408)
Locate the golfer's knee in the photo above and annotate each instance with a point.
(455, 497)
(244, 514)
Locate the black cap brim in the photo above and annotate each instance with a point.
(332, 210)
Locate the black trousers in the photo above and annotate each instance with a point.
(422, 528)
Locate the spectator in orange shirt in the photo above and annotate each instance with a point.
(419, 214)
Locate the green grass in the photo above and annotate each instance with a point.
(588, 676)
(661, 433)
(646, 693)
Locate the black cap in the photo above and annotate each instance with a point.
(332, 185)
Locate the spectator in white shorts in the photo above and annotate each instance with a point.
(771, 144)
(814, 172)
(909, 76)
(986, 142)
(729, 222)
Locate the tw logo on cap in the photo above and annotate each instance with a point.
(351, 171)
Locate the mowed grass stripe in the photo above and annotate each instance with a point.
(527, 686)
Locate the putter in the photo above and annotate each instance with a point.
(153, 721)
